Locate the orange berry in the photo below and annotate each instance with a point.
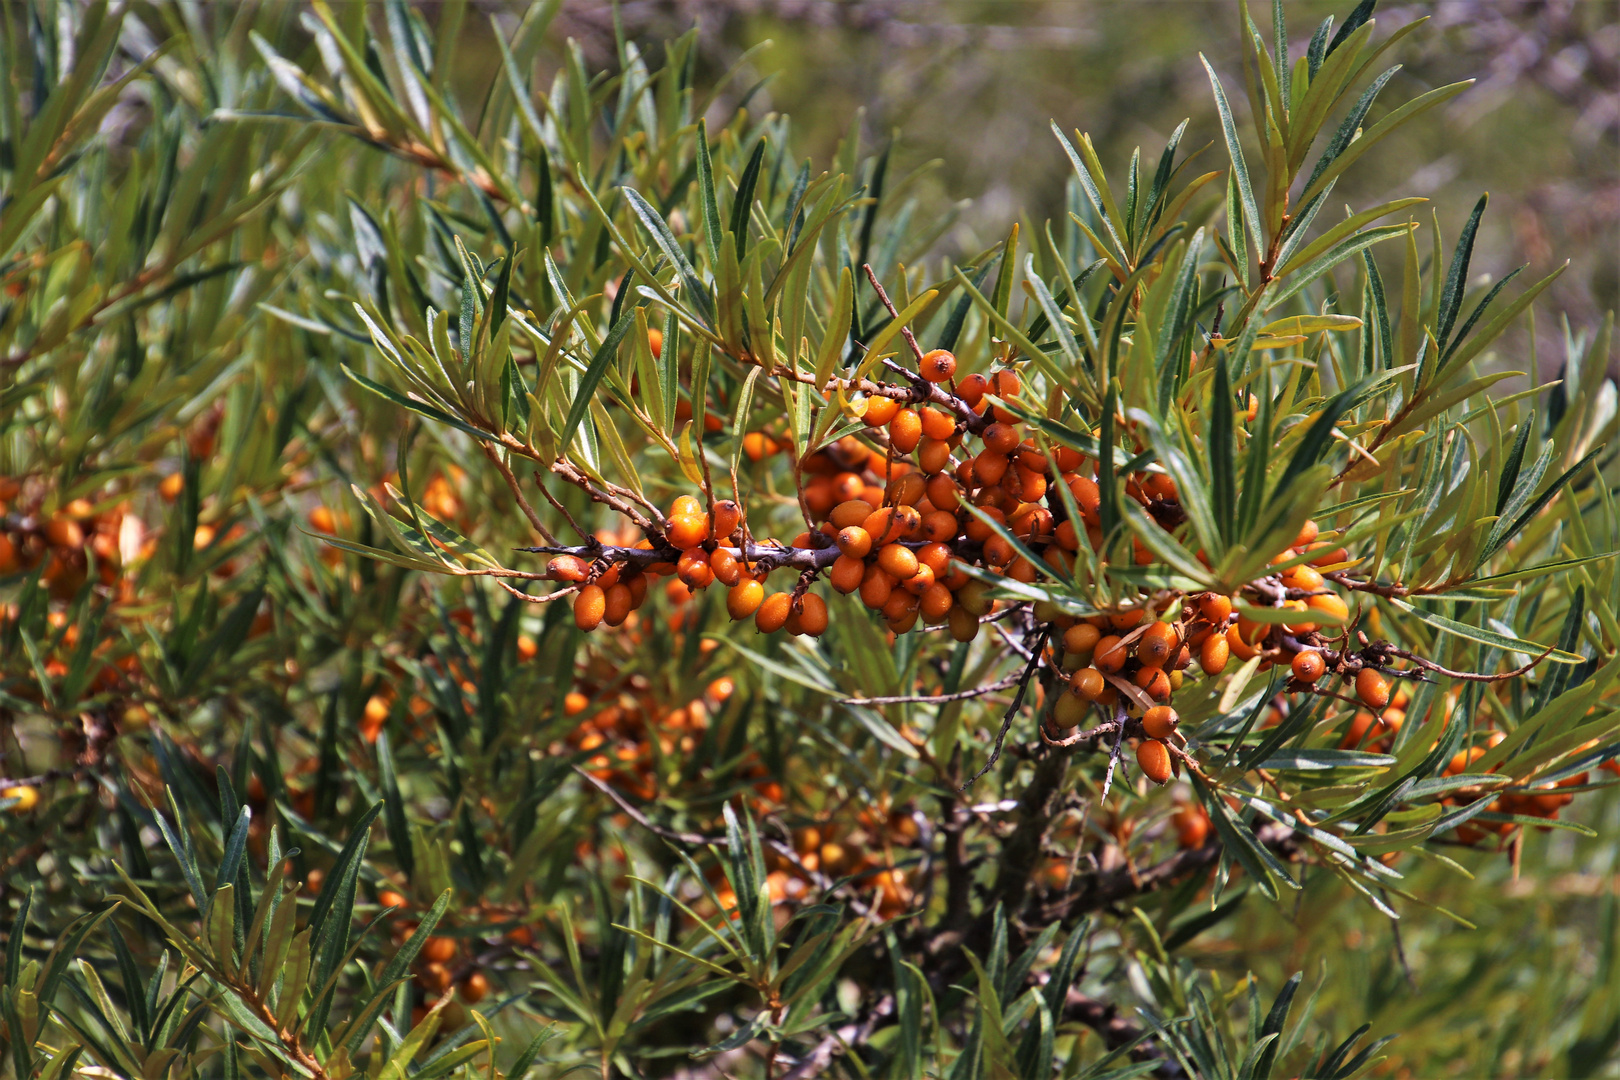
(1160, 722)
(65, 532)
(972, 388)
(1372, 688)
(846, 573)
(1154, 759)
(1307, 535)
(1081, 638)
(439, 950)
(905, 431)
(876, 587)
(1157, 644)
(1213, 654)
(726, 566)
(1330, 605)
(935, 602)
(727, 516)
(688, 530)
(1001, 438)
(897, 561)
(812, 615)
(694, 569)
(934, 455)
(1088, 497)
(1215, 608)
(568, 568)
(1154, 682)
(937, 424)
(744, 598)
(618, 602)
(1191, 825)
(880, 410)
(1109, 655)
(854, 542)
(390, 898)
(964, 625)
(474, 988)
(1308, 666)
(1089, 683)
(773, 612)
(853, 512)
(998, 551)
(937, 366)
(590, 606)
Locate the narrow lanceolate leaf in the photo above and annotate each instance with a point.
(592, 378)
(1234, 149)
(1457, 277)
(659, 228)
(1486, 637)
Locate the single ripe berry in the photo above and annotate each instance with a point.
(727, 516)
(937, 424)
(854, 541)
(897, 561)
(1109, 654)
(880, 410)
(1002, 438)
(568, 568)
(1154, 758)
(1213, 654)
(439, 950)
(846, 573)
(1081, 638)
(1089, 683)
(1372, 688)
(1308, 666)
(972, 388)
(905, 431)
(27, 798)
(1160, 722)
(1155, 682)
(1307, 535)
(474, 988)
(589, 607)
(727, 569)
(812, 615)
(744, 598)
(937, 366)
(773, 612)
(693, 568)
(1158, 643)
(617, 603)
(1215, 608)
(687, 530)
(936, 602)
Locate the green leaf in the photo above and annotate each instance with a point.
(1240, 169)
(1485, 637)
(586, 393)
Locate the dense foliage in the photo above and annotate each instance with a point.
(550, 580)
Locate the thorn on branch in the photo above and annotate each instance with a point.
(1017, 703)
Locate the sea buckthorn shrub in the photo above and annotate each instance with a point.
(551, 579)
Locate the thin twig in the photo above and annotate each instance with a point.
(1470, 676)
(1017, 703)
(934, 699)
(905, 331)
(645, 822)
(517, 493)
(540, 483)
(1113, 755)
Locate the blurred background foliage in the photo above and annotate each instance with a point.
(1540, 130)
